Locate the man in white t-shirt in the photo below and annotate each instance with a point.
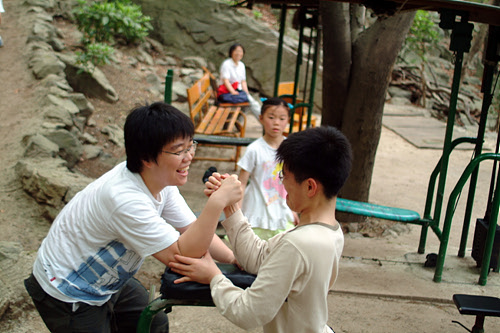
(82, 277)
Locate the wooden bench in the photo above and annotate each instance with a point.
(285, 92)
(214, 120)
(213, 83)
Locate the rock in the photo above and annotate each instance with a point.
(88, 138)
(115, 134)
(41, 3)
(92, 83)
(58, 114)
(91, 151)
(63, 103)
(44, 63)
(40, 146)
(85, 108)
(15, 266)
(70, 147)
(194, 62)
(49, 181)
(179, 93)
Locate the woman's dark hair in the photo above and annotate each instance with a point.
(149, 128)
(322, 153)
(273, 101)
(233, 47)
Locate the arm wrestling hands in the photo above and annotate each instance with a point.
(204, 269)
(196, 239)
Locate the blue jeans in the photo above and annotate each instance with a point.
(120, 314)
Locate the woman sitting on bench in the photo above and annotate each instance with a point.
(233, 87)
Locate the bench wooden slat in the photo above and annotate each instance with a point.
(231, 122)
(205, 121)
(214, 121)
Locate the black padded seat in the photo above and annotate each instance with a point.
(479, 306)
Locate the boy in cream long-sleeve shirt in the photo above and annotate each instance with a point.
(295, 269)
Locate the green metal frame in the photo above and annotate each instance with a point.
(309, 104)
(164, 304)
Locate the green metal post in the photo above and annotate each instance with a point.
(448, 136)
(279, 56)
(460, 43)
(169, 79)
(314, 73)
(473, 181)
(430, 195)
(144, 323)
(297, 65)
(438, 273)
(490, 64)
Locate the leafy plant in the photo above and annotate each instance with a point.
(103, 21)
(97, 54)
(423, 36)
(257, 14)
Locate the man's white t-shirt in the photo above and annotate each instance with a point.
(101, 237)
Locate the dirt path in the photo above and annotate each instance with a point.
(19, 114)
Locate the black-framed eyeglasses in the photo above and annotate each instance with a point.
(189, 150)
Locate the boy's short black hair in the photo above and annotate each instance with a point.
(149, 128)
(273, 101)
(322, 153)
(233, 47)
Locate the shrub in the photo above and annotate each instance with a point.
(97, 54)
(104, 21)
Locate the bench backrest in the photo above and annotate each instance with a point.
(198, 96)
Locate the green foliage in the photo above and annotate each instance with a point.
(103, 21)
(423, 35)
(257, 14)
(97, 54)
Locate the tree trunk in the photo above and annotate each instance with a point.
(358, 112)
(336, 60)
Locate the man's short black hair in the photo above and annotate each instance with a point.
(322, 153)
(149, 128)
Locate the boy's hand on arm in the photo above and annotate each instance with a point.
(198, 270)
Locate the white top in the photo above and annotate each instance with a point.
(295, 270)
(264, 202)
(101, 237)
(232, 72)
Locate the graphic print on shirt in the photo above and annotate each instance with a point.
(273, 189)
(96, 278)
